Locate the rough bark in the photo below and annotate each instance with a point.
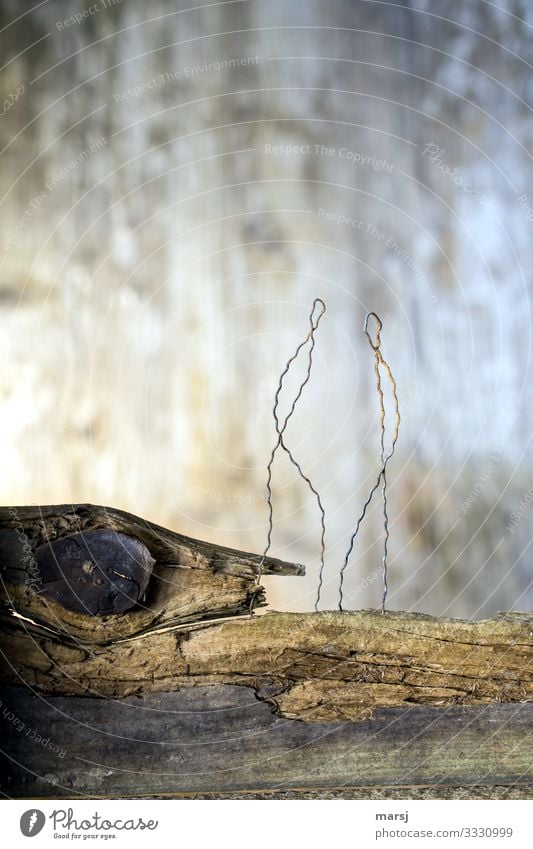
(317, 667)
(219, 739)
(394, 700)
(191, 580)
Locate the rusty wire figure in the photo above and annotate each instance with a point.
(317, 311)
(384, 457)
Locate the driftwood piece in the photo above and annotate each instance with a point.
(196, 697)
(191, 580)
(42, 524)
(220, 740)
(317, 667)
(95, 572)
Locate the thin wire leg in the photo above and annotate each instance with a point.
(317, 311)
(379, 361)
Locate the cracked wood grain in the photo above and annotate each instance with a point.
(219, 740)
(315, 667)
(50, 522)
(183, 580)
(384, 699)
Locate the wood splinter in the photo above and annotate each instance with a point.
(99, 573)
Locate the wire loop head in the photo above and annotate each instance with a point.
(318, 304)
(379, 324)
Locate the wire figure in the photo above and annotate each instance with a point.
(384, 458)
(317, 311)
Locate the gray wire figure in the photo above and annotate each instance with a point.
(384, 457)
(319, 308)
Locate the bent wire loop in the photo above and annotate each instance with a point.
(379, 361)
(317, 311)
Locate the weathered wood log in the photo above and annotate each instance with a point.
(408, 694)
(40, 524)
(219, 740)
(318, 667)
(189, 579)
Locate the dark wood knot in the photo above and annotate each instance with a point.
(95, 572)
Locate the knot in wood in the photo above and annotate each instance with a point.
(97, 572)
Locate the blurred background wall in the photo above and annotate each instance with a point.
(179, 180)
